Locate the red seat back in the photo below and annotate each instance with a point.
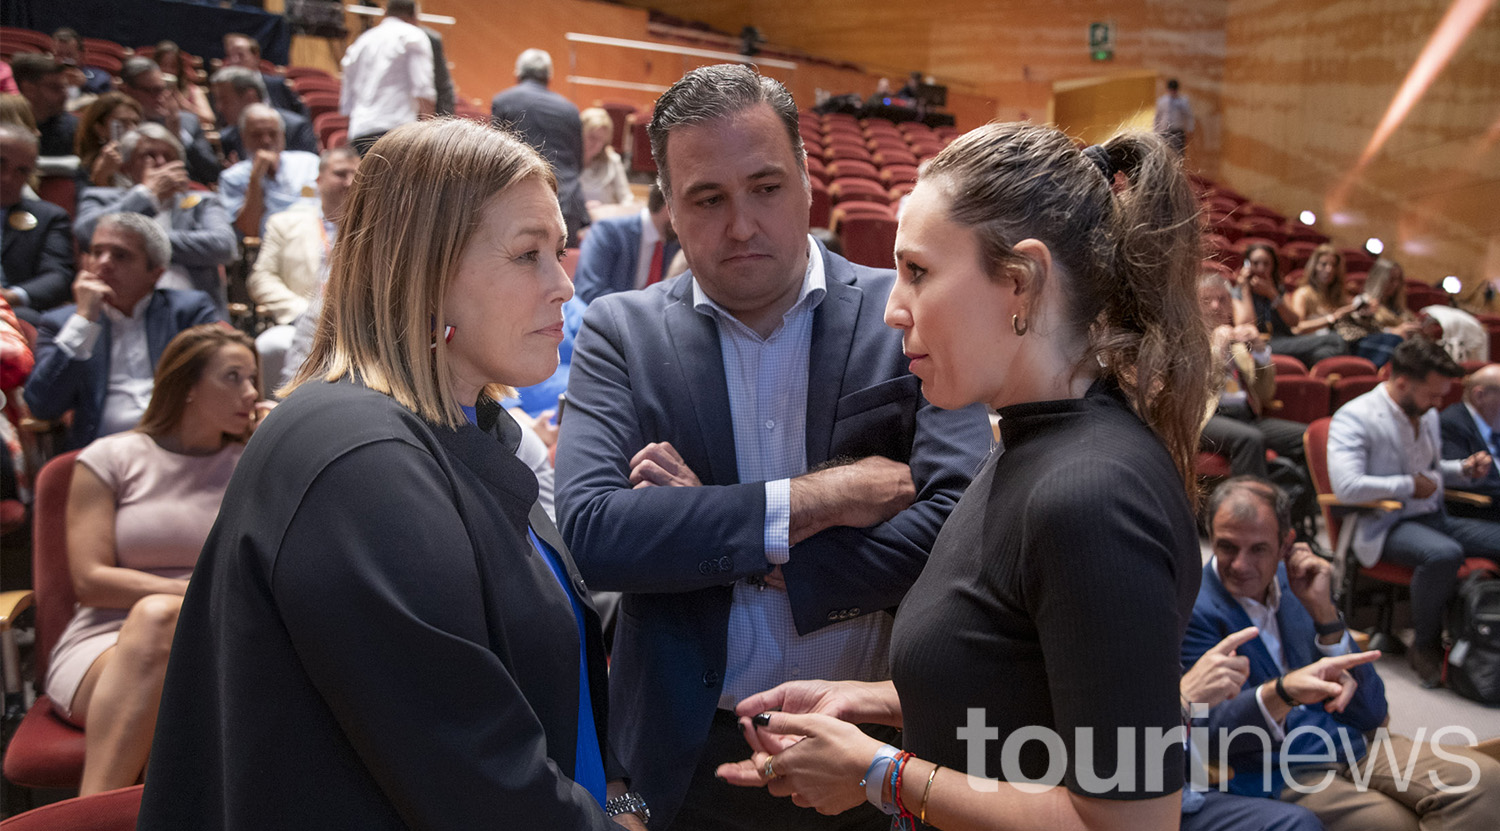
(108, 811)
(869, 240)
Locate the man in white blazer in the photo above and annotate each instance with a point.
(293, 259)
(1385, 444)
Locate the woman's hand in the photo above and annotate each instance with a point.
(262, 409)
(822, 770)
(106, 165)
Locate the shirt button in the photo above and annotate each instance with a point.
(725, 564)
(710, 679)
(770, 425)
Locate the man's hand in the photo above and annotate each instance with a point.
(91, 293)
(266, 163)
(1326, 680)
(1219, 674)
(166, 181)
(857, 495)
(1477, 466)
(658, 464)
(858, 702)
(1247, 334)
(1311, 579)
(1422, 487)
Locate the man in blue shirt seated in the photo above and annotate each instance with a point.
(271, 178)
(1298, 729)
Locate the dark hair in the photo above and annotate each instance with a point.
(1275, 260)
(181, 367)
(66, 34)
(401, 8)
(655, 200)
(1418, 357)
(1172, 84)
(31, 68)
(135, 67)
(1253, 487)
(184, 75)
(710, 93)
(249, 41)
(1129, 259)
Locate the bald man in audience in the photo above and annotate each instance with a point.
(271, 178)
(38, 238)
(1470, 427)
(1303, 726)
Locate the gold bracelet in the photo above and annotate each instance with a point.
(922, 814)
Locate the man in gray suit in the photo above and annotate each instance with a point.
(197, 224)
(1385, 444)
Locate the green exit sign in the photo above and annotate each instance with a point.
(1102, 40)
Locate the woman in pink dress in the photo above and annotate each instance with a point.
(140, 507)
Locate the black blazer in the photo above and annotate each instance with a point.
(548, 122)
(370, 641)
(40, 260)
(1461, 440)
(646, 368)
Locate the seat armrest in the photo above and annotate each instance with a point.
(1328, 500)
(13, 604)
(1467, 498)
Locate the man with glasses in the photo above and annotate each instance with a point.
(141, 79)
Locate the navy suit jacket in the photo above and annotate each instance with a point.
(607, 262)
(59, 384)
(646, 368)
(40, 261)
(202, 236)
(1216, 615)
(299, 136)
(549, 123)
(1461, 440)
(282, 97)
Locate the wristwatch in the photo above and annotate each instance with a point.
(1331, 627)
(629, 802)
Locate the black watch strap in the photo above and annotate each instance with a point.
(1332, 627)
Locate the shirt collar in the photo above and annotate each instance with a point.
(814, 287)
(135, 314)
(649, 234)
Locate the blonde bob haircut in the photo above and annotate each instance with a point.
(414, 206)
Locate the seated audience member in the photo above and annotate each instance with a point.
(1460, 334)
(603, 174)
(1217, 677)
(67, 49)
(236, 88)
(626, 252)
(187, 95)
(140, 507)
(97, 356)
(270, 178)
(1323, 300)
(41, 82)
(97, 144)
(1236, 426)
(38, 240)
(1263, 303)
(1382, 320)
(243, 50)
(1468, 428)
(196, 223)
(1385, 445)
(1309, 690)
(16, 361)
(141, 79)
(293, 260)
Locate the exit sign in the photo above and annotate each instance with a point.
(1102, 40)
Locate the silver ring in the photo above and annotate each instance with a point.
(769, 771)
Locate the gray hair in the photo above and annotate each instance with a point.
(240, 79)
(534, 65)
(152, 238)
(135, 67)
(147, 130)
(1256, 490)
(333, 154)
(15, 132)
(711, 93)
(259, 110)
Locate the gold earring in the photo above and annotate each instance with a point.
(1018, 327)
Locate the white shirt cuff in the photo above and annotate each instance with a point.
(77, 337)
(1344, 646)
(778, 521)
(150, 197)
(22, 298)
(1278, 734)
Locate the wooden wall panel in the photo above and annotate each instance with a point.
(1306, 84)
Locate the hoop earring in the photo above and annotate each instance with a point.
(1018, 327)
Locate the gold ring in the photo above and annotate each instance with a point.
(769, 771)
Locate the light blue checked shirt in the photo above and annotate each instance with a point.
(767, 380)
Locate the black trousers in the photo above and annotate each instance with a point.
(714, 805)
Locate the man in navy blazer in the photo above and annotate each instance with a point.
(746, 456)
(550, 124)
(612, 257)
(1310, 696)
(1467, 428)
(37, 248)
(96, 357)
